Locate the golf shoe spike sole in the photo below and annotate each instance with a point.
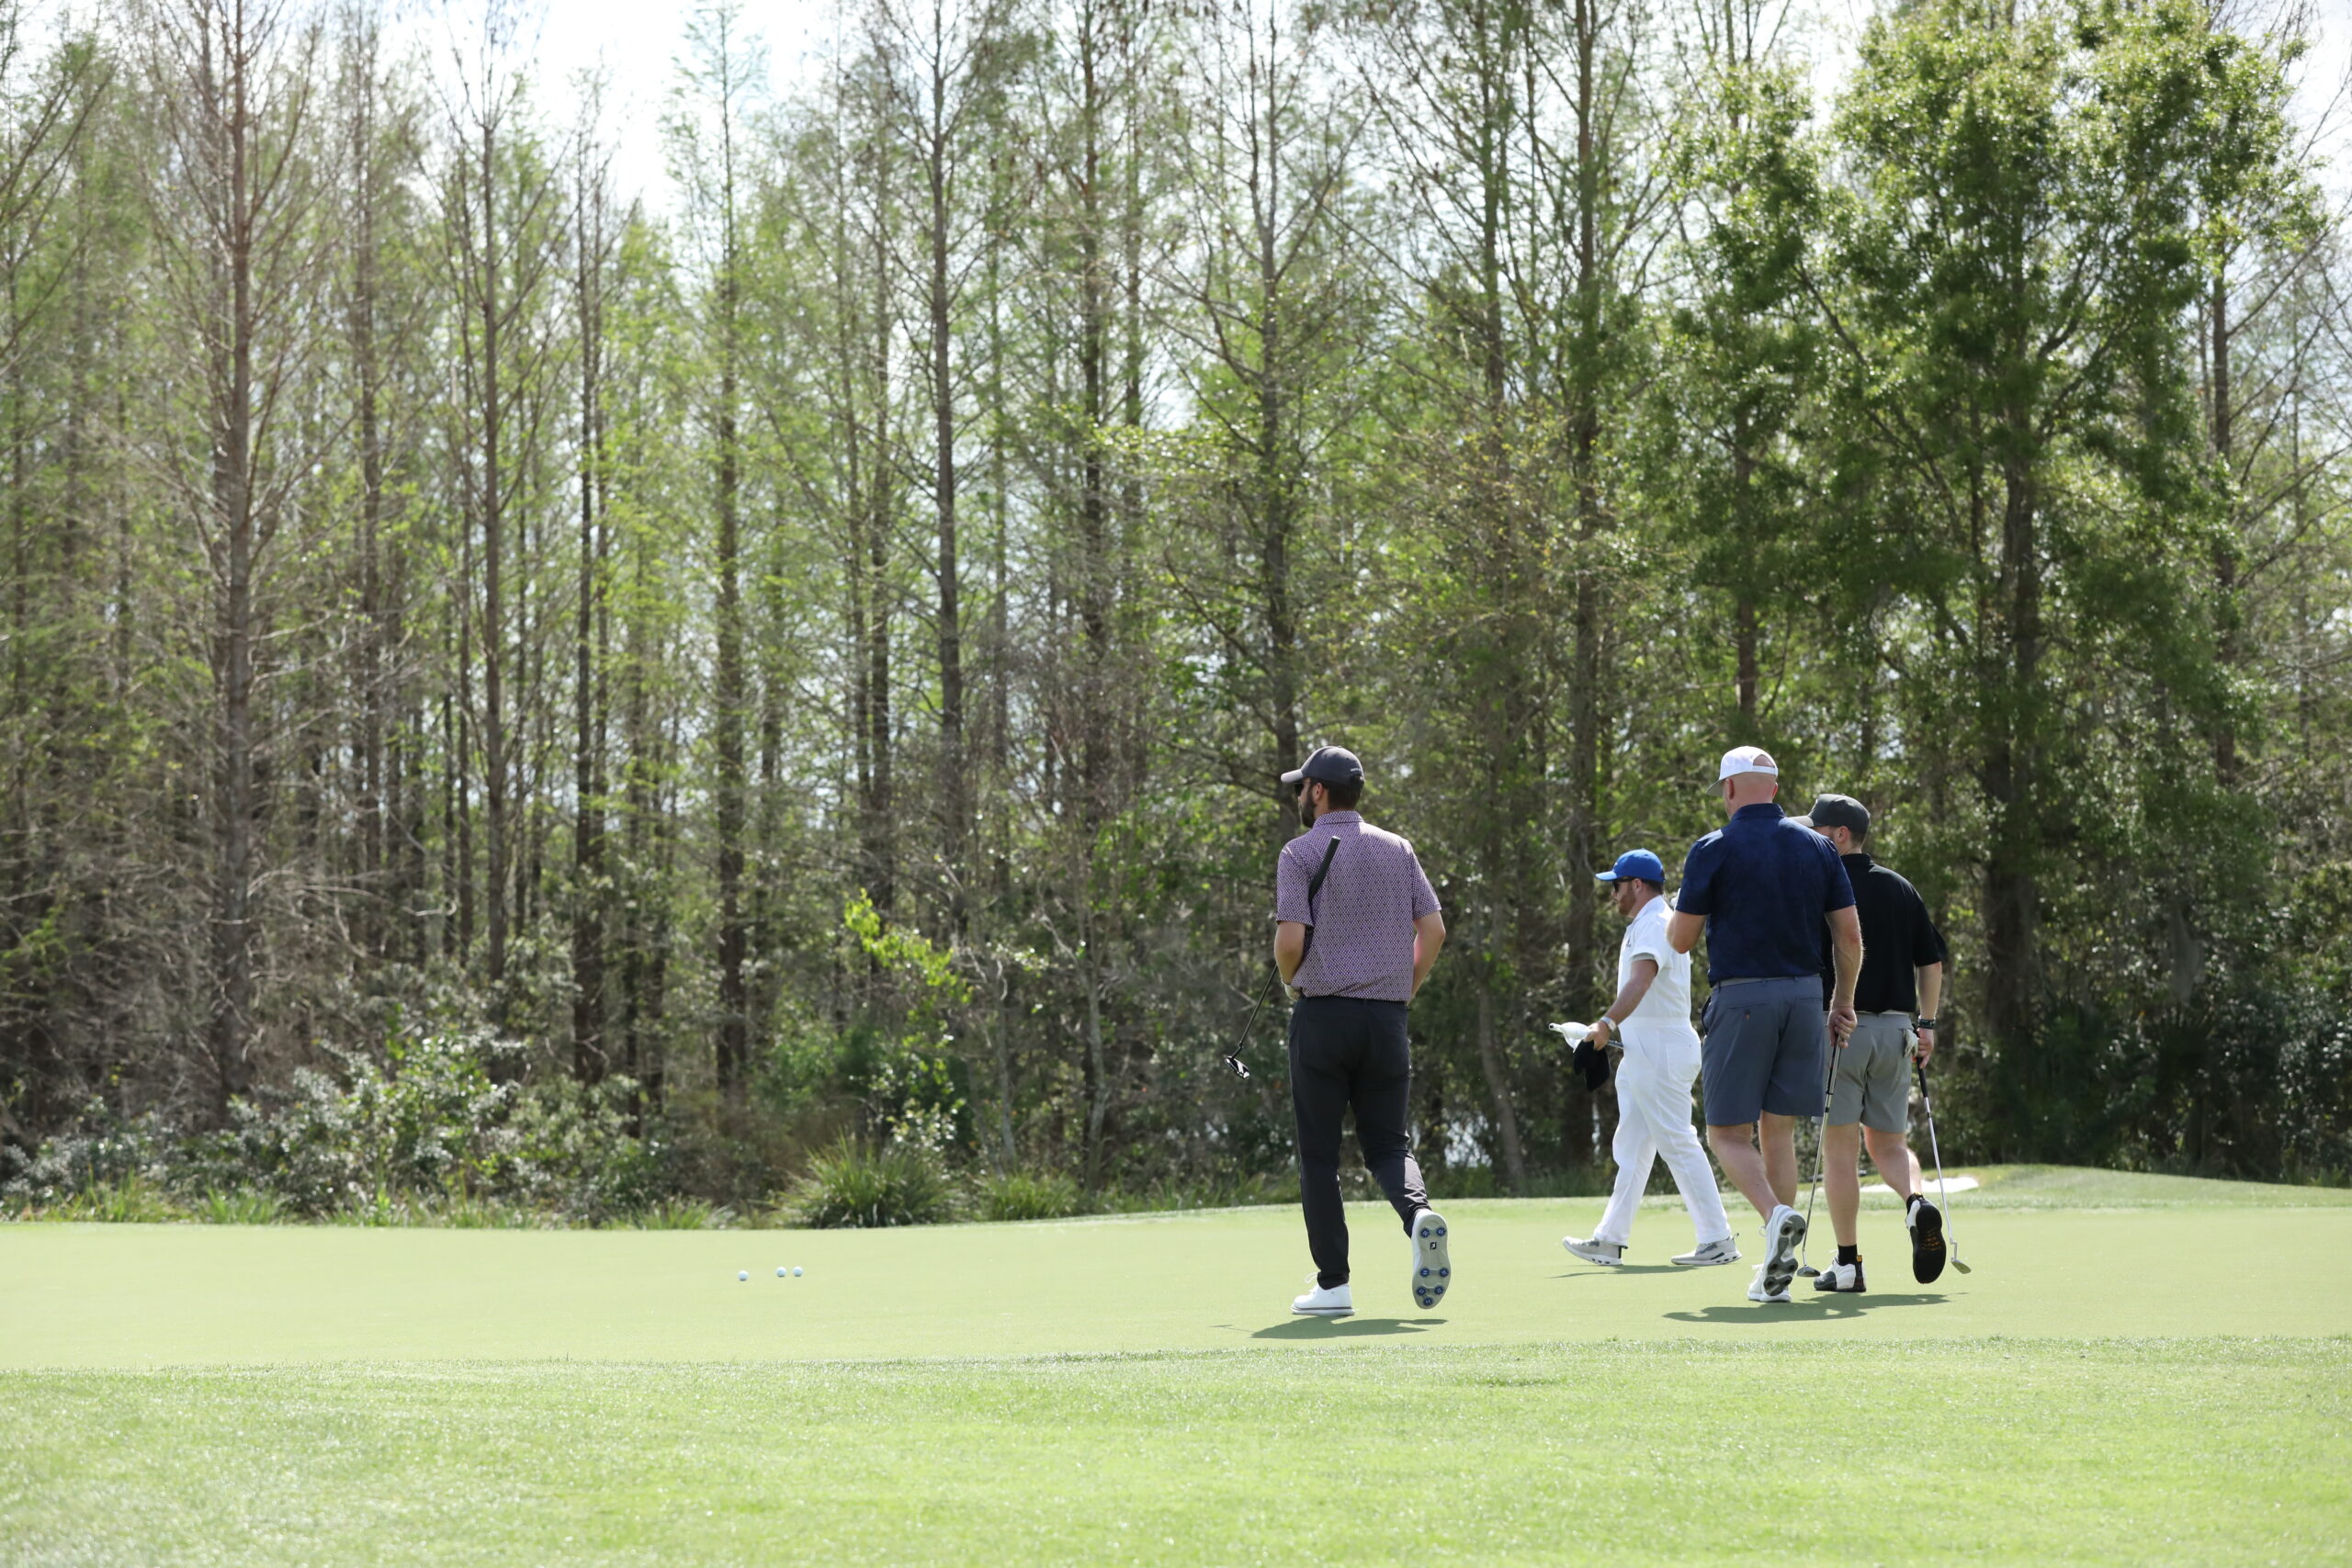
(1432, 1265)
(1780, 1262)
(1926, 1223)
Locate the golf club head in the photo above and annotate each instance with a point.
(1809, 1271)
(1240, 1069)
(1962, 1267)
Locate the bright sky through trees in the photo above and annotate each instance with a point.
(639, 42)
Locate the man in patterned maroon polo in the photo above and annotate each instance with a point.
(1358, 930)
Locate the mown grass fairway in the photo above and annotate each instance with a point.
(2163, 1378)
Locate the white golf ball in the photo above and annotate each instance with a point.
(795, 1273)
(742, 1273)
(780, 1273)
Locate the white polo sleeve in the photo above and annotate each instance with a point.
(1646, 937)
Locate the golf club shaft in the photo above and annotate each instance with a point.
(1314, 885)
(1926, 1104)
(1233, 1057)
(1820, 1157)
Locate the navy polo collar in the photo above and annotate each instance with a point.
(1760, 811)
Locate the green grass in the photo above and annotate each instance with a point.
(1133, 1390)
(2028, 1450)
(2076, 1187)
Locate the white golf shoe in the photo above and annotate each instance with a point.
(1782, 1234)
(1722, 1251)
(1324, 1301)
(1432, 1265)
(1757, 1292)
(1607, 1254)
(1846, 1277)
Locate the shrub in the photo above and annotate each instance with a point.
(242, 1206)
(682, 1214)
(467, 1214)
(433, 1135)
(1021, 1196)
(854, 1187)
(131, 1200)
(1227, 1191)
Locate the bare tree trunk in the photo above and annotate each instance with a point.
(881, 826)
(1490, 1063)
(237, 245)
(590, 1059)
(2225, 547)
(2012, 781)
(1093, 749)
(491, 502)
(728, 702)
(954, 792)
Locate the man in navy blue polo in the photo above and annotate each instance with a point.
(1761, 888)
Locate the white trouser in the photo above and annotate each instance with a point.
(1654, 1080)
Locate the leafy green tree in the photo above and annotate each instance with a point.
(2003, 275)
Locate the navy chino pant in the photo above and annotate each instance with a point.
(1350, 1052)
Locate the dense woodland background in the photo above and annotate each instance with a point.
(812, 657)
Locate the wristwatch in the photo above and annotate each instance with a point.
(1925, 1024)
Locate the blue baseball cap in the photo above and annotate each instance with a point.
(1633, 863)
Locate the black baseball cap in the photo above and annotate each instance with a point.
(1327, 764)
(1840, 812)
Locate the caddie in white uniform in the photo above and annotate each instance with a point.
(1650, 1020)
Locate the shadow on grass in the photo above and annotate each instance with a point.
(1346, 1327)
(1623, 1269)
(1822, 1307)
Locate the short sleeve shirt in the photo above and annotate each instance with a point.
(1765, 886)
(1899, 937)
(1669, 998)
(1365, 912)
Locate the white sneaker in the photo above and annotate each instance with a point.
(1324, 1301)
(1433, 1268)
(1725, 1250)
(1757, 1292)
(1783, 1233)
(1606, 1253)
(1845, 1277)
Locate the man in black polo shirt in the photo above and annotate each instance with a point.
(1762, 888)
(1869, 1092)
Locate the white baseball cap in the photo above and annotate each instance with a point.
(1746, 759)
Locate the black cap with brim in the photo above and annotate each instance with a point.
(1839, 811)
(1328, 764)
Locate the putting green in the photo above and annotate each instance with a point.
(2137, 1370)
(130, 1296)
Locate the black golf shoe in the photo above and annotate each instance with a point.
(1926, 1227)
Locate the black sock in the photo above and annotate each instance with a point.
(1850, 1255)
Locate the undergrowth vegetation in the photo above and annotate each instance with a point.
(443, 1129)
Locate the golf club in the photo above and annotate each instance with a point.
(1941, 1191)
(1315, 885)
(1233, 1057)
(1820, 1124)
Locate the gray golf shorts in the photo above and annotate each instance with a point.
(1873, 1085)
(1764, 1049)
